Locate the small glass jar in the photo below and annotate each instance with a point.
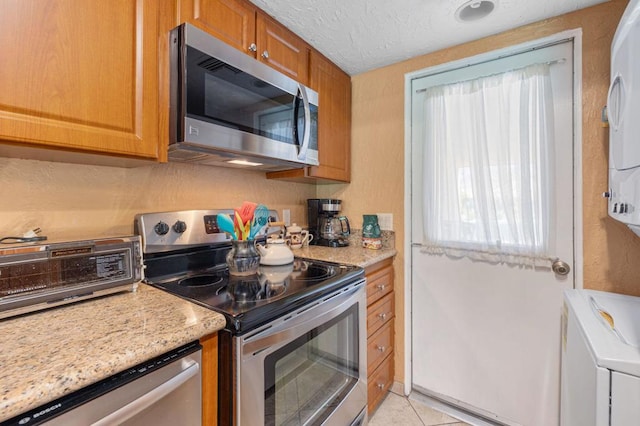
(243, 259)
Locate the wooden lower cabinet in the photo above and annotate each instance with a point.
(380, 332)
(379, 346)
(380, 381)
(210, 379)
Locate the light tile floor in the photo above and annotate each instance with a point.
(401, 411)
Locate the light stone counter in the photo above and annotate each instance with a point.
(51, 353)
(353, 254)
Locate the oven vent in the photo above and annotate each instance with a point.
(213, 65)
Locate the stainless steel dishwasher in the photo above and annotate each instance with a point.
(166, 390)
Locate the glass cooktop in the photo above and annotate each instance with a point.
(250, 301)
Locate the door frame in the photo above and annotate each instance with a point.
(576, 36)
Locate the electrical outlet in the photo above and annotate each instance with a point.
(286, 217)
(385, 220)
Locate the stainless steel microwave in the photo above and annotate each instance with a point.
(230, 109)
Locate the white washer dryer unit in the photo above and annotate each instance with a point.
(600, 359)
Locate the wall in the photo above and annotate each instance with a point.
(77, 201)
(611, 251)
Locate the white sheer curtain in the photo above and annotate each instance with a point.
(488, 157)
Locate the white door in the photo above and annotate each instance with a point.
(486, 337)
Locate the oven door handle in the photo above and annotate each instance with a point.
(299, 325)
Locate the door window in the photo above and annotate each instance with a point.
(488, 160)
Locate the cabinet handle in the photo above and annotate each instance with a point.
(380, 385)
(382, 348)
(265, 54)
(381, 286)
(253, 47)
(382, 316)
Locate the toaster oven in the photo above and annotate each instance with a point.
(40, 276)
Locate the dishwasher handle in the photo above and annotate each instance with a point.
(140, 404)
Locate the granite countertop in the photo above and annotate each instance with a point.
(353, 254)
(51, 353)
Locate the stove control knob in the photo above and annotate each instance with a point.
(161, 228)
(179, 227)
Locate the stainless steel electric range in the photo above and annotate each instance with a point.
(293, 351)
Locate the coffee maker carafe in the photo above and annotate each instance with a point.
(325, 223)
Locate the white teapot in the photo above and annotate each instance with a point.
(276, 252)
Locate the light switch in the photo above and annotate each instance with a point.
(286, 217)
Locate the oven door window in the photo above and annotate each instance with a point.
(221, 94)
(306, 379)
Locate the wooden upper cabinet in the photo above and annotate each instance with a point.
(82, 75)
(281, 49)
(232, 21)
(245, 27)
(334, 119)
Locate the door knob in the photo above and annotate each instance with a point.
(560, 267)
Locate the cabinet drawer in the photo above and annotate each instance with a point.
(379, 313)
(379, 346)
(379, 384)
(379, 284)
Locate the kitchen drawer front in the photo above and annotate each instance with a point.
(380, 382)
(379, 313)
(379, 346)
(379, 284)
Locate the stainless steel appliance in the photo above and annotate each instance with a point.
(164, 391)
(229, 109)
(325, 223)
(36, 276)
(293, 350)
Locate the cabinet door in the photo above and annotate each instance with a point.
(81, 75)
(281, 49)
(232, 21)
(334, 119)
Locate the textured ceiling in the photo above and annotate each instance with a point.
(361, 35)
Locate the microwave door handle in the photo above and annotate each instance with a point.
(302, 154)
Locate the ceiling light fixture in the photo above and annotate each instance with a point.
(474, 9)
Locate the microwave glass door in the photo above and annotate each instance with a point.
(221, 94)
(308, 378)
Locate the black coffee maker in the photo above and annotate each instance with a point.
(325, 223)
